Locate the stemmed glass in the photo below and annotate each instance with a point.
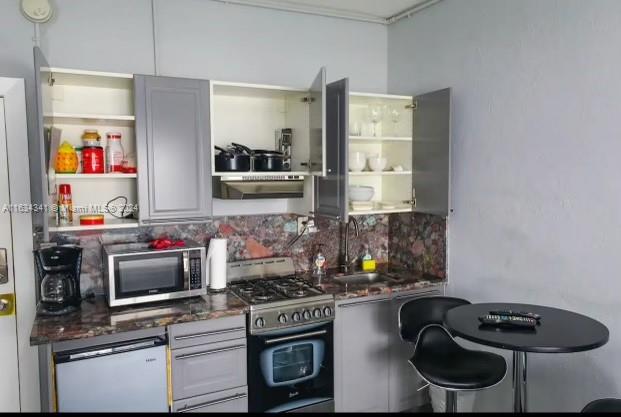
(376, 113)
(395, 116)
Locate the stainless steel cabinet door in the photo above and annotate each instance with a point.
(173, 148)
(361, 356)
(317, 116)
(331, 191)
(404, 381)
(431, 152)
(208, 368)
(229, 401)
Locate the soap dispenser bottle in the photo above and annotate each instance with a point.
(319, 263)
(368, 263)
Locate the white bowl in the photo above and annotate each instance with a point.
(361, 193)
(377, 163)
(357, 161)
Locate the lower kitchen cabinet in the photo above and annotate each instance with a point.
(361, 356)
(228, 401)
(371, 369)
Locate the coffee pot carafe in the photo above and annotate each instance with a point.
(58, 273)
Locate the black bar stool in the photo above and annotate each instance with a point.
(438, 358)
(605, 405)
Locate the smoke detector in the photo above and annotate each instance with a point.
(37, 11)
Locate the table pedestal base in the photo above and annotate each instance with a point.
(519, 382)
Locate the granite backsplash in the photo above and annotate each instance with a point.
(413, 240)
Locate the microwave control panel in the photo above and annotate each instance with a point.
(196, 277)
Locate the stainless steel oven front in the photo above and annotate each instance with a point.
(136, 274)
(291, 369)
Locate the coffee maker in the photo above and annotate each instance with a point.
(58, 279)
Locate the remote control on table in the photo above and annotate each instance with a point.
(515, 313)
(508, 321)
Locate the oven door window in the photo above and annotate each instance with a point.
(148, 274)
(292, 363)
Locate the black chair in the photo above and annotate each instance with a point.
(605, 405)
(438, 358)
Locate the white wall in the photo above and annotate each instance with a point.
(536, 190)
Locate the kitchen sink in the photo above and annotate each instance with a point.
(362, 278)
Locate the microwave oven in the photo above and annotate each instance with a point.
(135, 273)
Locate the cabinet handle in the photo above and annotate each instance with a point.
(416, 295)
(363, 302)
(210, 403)
(193, 336)
(209, 352)
(295, 337)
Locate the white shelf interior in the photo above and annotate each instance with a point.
(386, 128)
(110, 176)
(380, 139)
(376, 174)
(108, 224)
(379, 211)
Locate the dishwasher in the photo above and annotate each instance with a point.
(114, 377)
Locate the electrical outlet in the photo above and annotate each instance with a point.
(310, 225)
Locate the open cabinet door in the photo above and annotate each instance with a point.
(331, 190)
(39, 149)
(431, 152)
(317, 124)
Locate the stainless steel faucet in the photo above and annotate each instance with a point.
(346, 262)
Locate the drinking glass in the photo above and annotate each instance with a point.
(376, 113)
(395, 116)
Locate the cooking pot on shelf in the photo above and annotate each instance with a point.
(234, 159)
(263, 160)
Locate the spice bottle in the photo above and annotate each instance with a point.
(64, 213)
(114, 152)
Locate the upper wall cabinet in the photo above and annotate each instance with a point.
(70, 101)
(173, 149)
(256, 116)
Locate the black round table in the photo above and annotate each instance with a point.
(559, 331)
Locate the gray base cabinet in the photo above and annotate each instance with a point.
(371, 369)
(208, 365)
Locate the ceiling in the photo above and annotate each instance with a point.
(379, 11)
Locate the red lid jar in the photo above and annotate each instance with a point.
(92, 158)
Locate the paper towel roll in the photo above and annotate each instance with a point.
(216, 264)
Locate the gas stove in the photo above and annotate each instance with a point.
(277, 298)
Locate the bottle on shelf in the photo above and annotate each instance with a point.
(64, 211)
(114, 152)
(92, 153)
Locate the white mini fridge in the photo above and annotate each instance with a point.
(129, 376)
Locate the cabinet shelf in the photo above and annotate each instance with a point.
(376, 139)
(109, 224)
(124, 119)
(96, 176)
(379, 211)
(378, 174)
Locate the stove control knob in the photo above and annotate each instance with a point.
(317, 313)
(282, 318)
(259, 322)
(306, 314)
(327, 311)
(296, 316)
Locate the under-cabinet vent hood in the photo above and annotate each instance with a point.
(258, 187)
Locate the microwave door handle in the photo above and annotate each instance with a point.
(294, 337)
(186, 269)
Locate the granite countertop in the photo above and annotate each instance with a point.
(403, 281)
(95, 318)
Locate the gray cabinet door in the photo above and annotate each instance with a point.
(431, 152)
(331, 191)
(361, 356)
(317, 124)
(39, 149)
(173, 148)
(404, 381)
(204, 369)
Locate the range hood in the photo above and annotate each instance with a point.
(253, 187)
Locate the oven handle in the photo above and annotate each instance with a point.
(195, 335)
(210, 403)
(209, 352)
(294, 337)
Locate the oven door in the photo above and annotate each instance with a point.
(290, 367)
(143, 276)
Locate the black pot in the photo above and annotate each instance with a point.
(232, 160)
(267, 160)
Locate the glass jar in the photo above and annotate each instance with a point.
(92, 158)
(114, 152)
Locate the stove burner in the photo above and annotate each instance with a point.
(273, 289)
(262, 297)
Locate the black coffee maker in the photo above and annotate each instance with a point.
(58, 278)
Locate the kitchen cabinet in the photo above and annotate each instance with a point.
(208, 365)
(331, 190)
(173, 149)
(68, 102)
(411, 133)
(362, 355)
